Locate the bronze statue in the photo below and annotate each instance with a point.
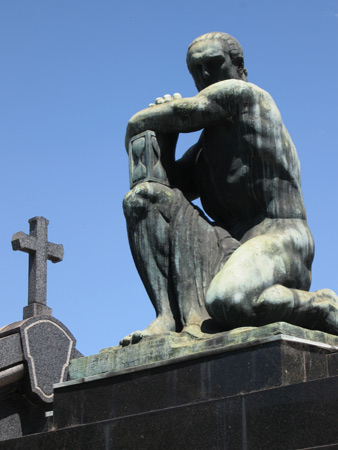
(250, 265)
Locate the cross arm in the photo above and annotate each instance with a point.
(24, 242)
(55, 252)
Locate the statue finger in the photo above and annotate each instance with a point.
(177, 95)
(159, 100)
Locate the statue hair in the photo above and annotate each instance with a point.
(233, 47)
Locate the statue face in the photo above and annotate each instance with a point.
(209, 62)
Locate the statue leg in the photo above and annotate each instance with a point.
(147, 208)
(315, 310)
(177, 252)
(199, 249)
(244, 292)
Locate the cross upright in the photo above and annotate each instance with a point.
(40, 250)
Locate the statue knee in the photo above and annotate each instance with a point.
(143, 197)
(231, 307)
(135, 201)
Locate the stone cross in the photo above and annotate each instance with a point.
(40, 250)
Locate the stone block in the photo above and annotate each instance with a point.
(273, 392)
(36, 309)
(168, 348)
(236, 400)
(10, 351)
(201, 377)
(34, 354)
(48, 348)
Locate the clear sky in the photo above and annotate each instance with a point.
(74, 71)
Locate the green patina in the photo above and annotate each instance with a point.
(174, 345)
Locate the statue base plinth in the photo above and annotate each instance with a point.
(273, 391)
(170, 348)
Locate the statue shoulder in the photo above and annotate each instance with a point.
(253, 92)
(240, 93)
(260, 103)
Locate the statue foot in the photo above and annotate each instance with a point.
(200, 324)
(194, 330)
(314, 310)
(161, 325)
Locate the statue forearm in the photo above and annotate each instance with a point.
(168, 118)
(214, 104)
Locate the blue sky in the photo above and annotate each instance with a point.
(74, 71)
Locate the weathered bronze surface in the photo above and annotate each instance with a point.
(251, 264)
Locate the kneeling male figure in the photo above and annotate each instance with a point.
(251, 265)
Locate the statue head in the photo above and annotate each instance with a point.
(215, 57)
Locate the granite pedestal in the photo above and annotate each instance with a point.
(258, 389)
(34, 354)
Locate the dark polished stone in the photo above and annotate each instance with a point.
(10, 351)
(276, 396)
(322, 447)
(286, 418)
(19, 417)
(205, 378)
(48, 346)
(35, 354)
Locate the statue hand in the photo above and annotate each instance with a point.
(146, 119)
(166, 98)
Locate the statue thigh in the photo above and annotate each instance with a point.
(282, 256)
(175, 248)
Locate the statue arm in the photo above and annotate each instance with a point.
(209, 107)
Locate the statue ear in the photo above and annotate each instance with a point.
(241, 70)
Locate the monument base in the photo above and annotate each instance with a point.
(278, 392)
